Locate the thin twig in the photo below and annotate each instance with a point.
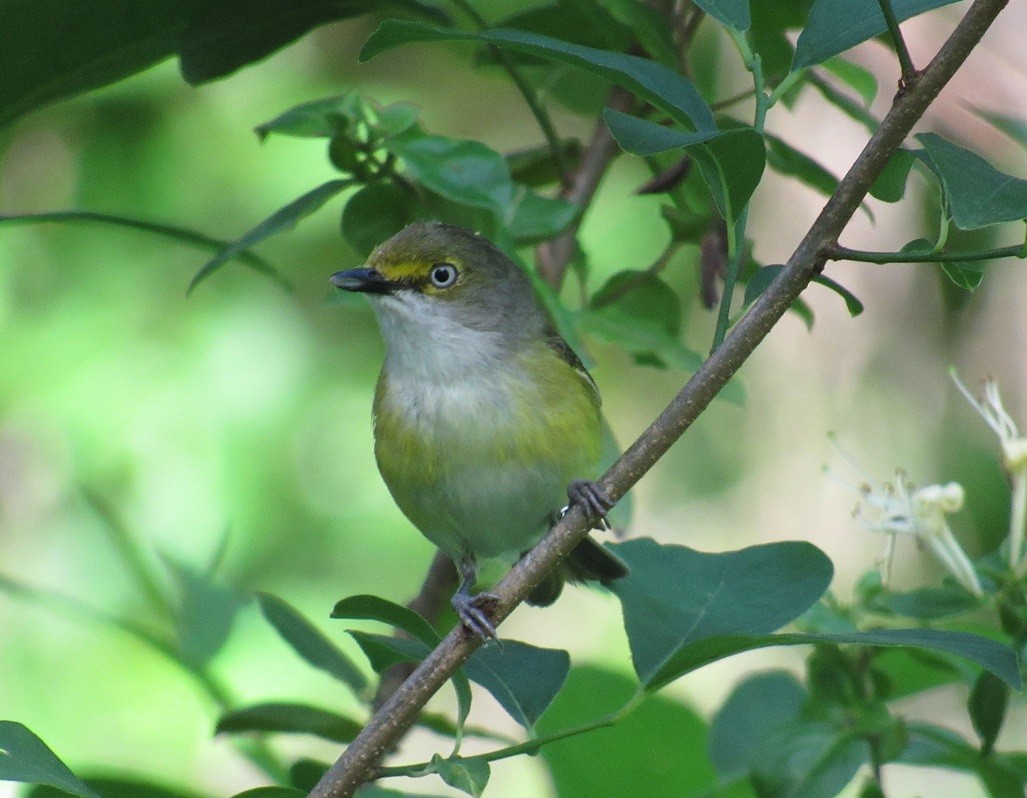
(361, 758)
(922, 256)
(909, 72)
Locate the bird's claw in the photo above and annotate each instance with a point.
(473, 613)
(593, 499)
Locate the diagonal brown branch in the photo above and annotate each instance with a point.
(361, 758)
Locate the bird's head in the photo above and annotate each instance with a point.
(435, 274)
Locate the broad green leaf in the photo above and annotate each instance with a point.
(315, 119)
(1001, 774)
(966, 274)
(305, 773)
(890, 185)
(26, 758)
(926, 603)
(836, 25)
(535, 166)
(524, 679)
(976, 193)
(205, 615)
(784, 158)
(281, 220)
(987, 705)
(649, 26)
(462, 170)
(989, 654)
(224, 36)
(586, 23)
(532, 218)
(376, 213)
(768, 34)
(731, 13)
(751, 716)
(653, 82)
(764, 276)
(854, 75)
(731, 161)
(908, 671)
(289, 718)
(810, 760)
(469, 774)
(656, 750)
(675, 596)
(376, 608)
(646, 338)
(310, 643)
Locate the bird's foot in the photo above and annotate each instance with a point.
(595, 501)
(473, 612)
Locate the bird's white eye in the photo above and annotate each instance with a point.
(443, 275)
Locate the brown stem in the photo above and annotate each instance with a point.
(361, 758)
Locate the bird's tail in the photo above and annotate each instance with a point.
(589, 561)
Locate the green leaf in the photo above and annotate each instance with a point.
(731, 13)
(206, 613)
(787, 160)
(310, 643)
(1012, 126)
(524, 679)
(646, 338)
(731, 161)
(289, 718)
(987, 705)
(281, 220)
(656, 750)
(859, 78)
(225, 36)
(764, 276)
(649, 26)
(535, 166)
(374, 214)
(836, 25)
(653, 82)
(811, 760)
(26, 758)
(675, 596)
(966, 274)
(843, 102)
(532, 218)
(976, 193)
(272, 791)
(315, 119)
(118, 787)
(926, 603)
(908, 671)
(376, 608)
(374, 791)
(756, 710)
(890, 185)
(989, 654)
(462, 170)
(469, 774)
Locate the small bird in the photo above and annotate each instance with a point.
(485, 421)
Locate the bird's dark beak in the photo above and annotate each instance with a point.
(365, 279)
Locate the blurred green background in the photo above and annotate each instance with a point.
(244, 411)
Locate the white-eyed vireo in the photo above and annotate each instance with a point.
(484, 418)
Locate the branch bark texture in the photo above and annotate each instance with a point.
(359, 762)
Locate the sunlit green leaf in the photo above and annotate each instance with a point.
(675, 596)
(976, 193)
(26, 758)
(310, 643)
(660, 85)
(836, 25)
(289, 718)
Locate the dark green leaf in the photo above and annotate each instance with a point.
(532, 218)
(852, 303)
(976, 193)
(767, 36)
(281, 220)
(376, 213)
(206, 613)
(731, 13)
(908, 671)
(573, 21)
(836, 25)
(989, 654)
(787, 160)
(522, 678)
(987, 705)
(462, 170)
(118, 787)
(764, 276)
(289, 718)
(26, 758)
(660, 85)
(650, 28)
(656, 750)
(645, 337)
(890, 185)
(374, 791)
(926, 603)
(752, 715)
(535, 166)
(642, 137)
(675, 596)
(305, 773)
(225, 36)
(465, 773)
(376, 608)
(310, 643)
(843, 102)
(811, 760)
(966, 274)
